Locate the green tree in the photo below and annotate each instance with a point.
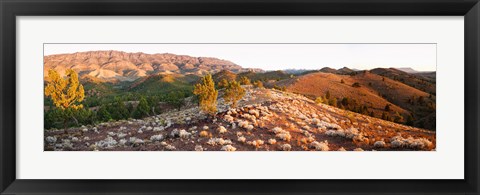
(356, 84)
(103, 114)
(333, 102)
(142, 110)
(397, 118)
(410, 120)
(327, 95)
(118, 110)
(222, 84)
(387, 108)
(233, 93)
(53, 118)
(319, 100)
(66, 93)
(258, 84)
(207, 95)
(345, 101)
(245, 81)
(84, 116)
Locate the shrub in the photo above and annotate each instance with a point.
(356, 84)
(222, 84)
(387, 108)
(258, 84)
(118, 110)
(207, 95)
(319, 100)
(233, 93)
(245, 81)
(142, 109)
(203, 133)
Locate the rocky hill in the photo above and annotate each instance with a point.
(372, 91)
(123, 66)
(416, 80)
(267, 120)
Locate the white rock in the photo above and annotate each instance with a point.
(108, 142)
(170, 147)
(272, 141)
(242, 139)
(161, 128)
(121, 135)
(286, 147)
(321, 146)
(159, 137)
(222, 130)
(51, 139)
(379, 144)
(184, 134)
(228, 148)
(198, 148)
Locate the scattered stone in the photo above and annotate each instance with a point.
(379, 144)
(170, 147)
(121, 135)
(320, 146)
(242, 139)
(229, 148)
(198, 148)
(159, 137)
(272, 141)
(174, 133)
(108, 142)
(286, 147)
(184, 134)
(222, 130)
(51, 139)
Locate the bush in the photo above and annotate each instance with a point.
(142, 110)
(356, 84)
(245, 81)
(233, 93)
(207, 95)
(258, 84)
(319, 100)
(118, 110)
(387, 108)
(103, 114)
(222, 84)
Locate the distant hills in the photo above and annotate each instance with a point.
(122, 66)
(407, 70)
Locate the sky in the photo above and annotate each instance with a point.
(421, 57)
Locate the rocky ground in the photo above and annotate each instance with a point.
(265, 120)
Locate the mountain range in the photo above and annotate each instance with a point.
(122, 66)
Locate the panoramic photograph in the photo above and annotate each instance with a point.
(239, 97)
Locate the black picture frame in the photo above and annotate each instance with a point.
(10, 9)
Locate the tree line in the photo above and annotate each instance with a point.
(67, 105)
